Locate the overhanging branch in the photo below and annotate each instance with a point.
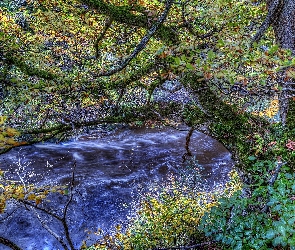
(142, 43)
(123, 14)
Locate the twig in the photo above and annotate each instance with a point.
(64, 218)
(101, 36)
(8, 215)
(49, 230)
(25, 202)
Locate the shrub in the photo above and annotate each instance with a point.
(168, 215)
(243, 222)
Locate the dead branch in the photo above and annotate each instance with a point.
(49, 230)
(8, 215)
(62, 219)
(187, 141)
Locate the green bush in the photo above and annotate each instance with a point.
(168, 215)
(262, 220)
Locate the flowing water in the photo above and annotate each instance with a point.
(109, 170)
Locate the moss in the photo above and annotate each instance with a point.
(229, 126)
(123, 14)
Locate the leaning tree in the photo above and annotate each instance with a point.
(69, 65)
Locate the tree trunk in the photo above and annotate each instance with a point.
(281, 16)
(284, 25)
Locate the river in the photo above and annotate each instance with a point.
(109, 169)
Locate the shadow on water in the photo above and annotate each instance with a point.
(109, 170)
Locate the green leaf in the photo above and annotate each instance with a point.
(273, 49)
(270, 234)
(177, 60)
(183, 58)
(189, 66)
(220, 43)
(251, 158)
(211, 55)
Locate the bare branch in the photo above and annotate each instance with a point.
(142, 43)
(101, 36)
(8, 215)
(64, 218)
(27, 203)
(49, 230)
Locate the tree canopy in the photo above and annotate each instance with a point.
(68, 65)
(72, 64)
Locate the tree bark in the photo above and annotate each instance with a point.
(281, 16)
(284, 28)
(284, 25)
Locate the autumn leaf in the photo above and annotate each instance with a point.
(12, 132)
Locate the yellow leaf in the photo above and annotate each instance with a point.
(2, 119)
(38, 200)
(12, 132)
(31, 197)
(10, 141)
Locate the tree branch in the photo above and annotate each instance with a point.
(64, 218)
(142, 43)
(191, 29)
(273, 11)
(45, 226)
(101, 36)
(123, 14)
(187, 141)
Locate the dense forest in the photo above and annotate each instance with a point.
(67, 66)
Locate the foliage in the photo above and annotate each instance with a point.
(8, 135)
(168, 215)
(239, 223)
(21, 192)
(61, 70)
(55, 51)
